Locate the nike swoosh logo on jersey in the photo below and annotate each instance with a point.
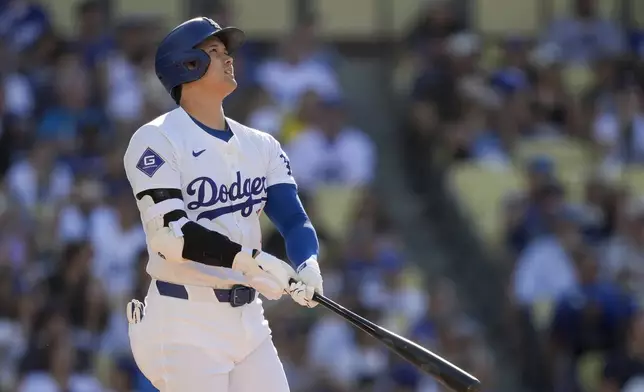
(197, 153)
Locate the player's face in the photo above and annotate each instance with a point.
(221, 74)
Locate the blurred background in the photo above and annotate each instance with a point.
(473, 168)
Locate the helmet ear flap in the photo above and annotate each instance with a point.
(194, 66)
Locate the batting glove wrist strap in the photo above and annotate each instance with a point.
(309, 281)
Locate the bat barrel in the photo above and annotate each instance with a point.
(443, 371)
(457, 379)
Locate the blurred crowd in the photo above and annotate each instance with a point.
(575, 265)
(72, 250)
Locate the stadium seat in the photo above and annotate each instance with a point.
(559, 149)
(573, 177)
(267, 227)
(542, 314)
(263, 19)
(104, 366)
(336, 22)
(172, 12)
(498, 17)
(336, 206)
(578, 79)
(481, 191)
(491, 55)
(637, 12)
(405, 13)
(62, 13)
(589, 371)
(573, 161)
(633, 178)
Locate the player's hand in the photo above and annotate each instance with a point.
(265, 272)
(308, 282)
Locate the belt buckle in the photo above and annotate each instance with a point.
(241, 295)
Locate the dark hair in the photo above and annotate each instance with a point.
(176, 94)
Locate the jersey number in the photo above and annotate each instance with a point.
(287, 163)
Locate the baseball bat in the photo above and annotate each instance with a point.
(439, 368)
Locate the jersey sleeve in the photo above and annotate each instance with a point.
(150, 161)
(152, 170)
(285, 210)
(279, 166)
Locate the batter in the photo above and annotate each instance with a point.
(201, 181)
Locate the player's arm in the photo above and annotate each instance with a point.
(285, 210)
(151, 167)
(177, 238)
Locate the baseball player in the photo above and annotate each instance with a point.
(201, 181)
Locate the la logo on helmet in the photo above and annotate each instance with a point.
(213, 23)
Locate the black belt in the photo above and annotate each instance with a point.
(236, 296)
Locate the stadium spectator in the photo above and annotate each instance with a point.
(584, 36)
(300, 67)
(624, 368)
(589, 318)
(332, 152)
(623, 254)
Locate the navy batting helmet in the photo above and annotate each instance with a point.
(178, 49)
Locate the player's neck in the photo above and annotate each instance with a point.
(207, 112)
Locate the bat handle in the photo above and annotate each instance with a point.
(316, 297)
(324, 301)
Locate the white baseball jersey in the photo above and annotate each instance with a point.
(223, 184)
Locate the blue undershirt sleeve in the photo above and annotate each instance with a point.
(285, 210)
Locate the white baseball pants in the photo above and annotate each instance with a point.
(202, 345)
